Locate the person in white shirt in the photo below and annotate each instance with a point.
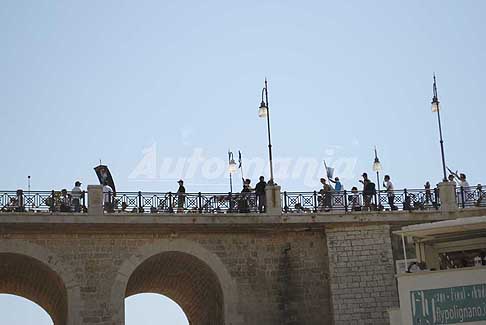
(389, 192)
(76, 194)
(107, 197)
(464, 185)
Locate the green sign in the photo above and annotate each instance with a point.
(454, 305)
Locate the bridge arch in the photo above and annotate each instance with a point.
(186, 272)
(32, 272)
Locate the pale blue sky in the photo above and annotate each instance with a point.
(85, 80)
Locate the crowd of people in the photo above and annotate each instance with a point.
(370, 199)
(331, 195)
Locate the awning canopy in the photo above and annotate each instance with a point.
(458, 229)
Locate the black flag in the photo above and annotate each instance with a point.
(104, 175)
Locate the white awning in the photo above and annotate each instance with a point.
(473, 225)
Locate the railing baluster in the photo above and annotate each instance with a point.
(462, 197)
(345, 201)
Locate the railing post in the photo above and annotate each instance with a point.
(315, 201)
(286, 207)
(140, 209)
(170, 207)
(95, 202)
(436, 198)
(447, 195)
(273, 200)
(199, 202)
(406, 200)
(230, 204)
(345, 201)
(83, 201)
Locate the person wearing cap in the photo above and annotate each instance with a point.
(76, 194)
(181, 195)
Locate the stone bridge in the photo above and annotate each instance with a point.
(233, 269)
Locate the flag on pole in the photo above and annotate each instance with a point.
(239, 159)
(329, 171)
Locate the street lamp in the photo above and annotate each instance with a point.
(231, 168)
(377, 169)
(263, 112)
(436, 108)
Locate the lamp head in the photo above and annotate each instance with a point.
(263, 110)
(232, 166)
(435, 105)
(377, 165)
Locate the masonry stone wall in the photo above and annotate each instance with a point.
(362, 279)
(265, 277)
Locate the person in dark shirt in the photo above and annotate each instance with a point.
(181, 195)
(260, 194)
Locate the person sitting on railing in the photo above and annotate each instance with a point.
(65, 201)
(124, 207)
(388, 185)
(11, 206)
(299, 208)
(243, 202)
(481, 195)
(325, 192)
(77, 194)
(353, 199)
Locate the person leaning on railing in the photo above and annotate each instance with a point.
(65, 201)
(353, 199)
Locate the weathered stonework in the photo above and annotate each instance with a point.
(217, 278)
(323, 268)
(362, 274)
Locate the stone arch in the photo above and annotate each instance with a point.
(184, 271)
(31, 271)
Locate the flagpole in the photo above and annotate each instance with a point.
(241, 166)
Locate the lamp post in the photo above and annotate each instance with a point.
(231, 168)
(263, 112)
(377, 169)
(436, 108)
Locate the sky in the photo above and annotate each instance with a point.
(161, 90)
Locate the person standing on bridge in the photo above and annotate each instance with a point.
(76, 194)
(389, 192)
(260, 194)
(107, 197)
(181, 196)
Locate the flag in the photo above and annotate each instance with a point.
(329, 171)
(104, 175)
(239, 159)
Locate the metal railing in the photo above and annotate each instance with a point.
(298, 202)
(41, 201)
(292, 202)
(152, 202)
(467, 197)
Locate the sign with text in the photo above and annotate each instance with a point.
(454, 305)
